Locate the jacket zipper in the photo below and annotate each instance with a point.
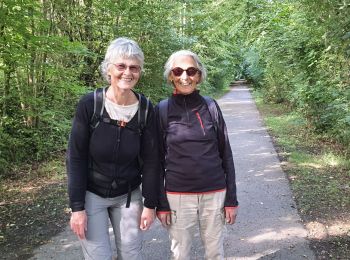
(116, 161)
(200, 122)
(197, 114)
(188, 116)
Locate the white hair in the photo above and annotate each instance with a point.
(170, 62)
(121, 48)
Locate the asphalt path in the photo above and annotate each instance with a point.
(268, 225)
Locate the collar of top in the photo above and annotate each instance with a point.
(192, 100)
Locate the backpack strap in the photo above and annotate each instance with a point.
(163, 115)
(213, 111)
(142, 112)
(214, 114)
(163, 122)
(99, 104)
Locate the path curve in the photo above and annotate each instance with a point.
(268, 225)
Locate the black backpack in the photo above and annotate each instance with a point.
(99, 104)
(214, 114)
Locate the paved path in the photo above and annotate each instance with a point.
(267, 227)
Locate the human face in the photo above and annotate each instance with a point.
(124, 73)
(185, 84)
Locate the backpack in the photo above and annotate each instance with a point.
(99, 104)
(214, 114)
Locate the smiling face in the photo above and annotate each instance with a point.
(184, 84)
(124, 73)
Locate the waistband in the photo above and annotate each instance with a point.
(194, 193)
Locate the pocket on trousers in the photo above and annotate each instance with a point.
(173, 217)
(222, 215)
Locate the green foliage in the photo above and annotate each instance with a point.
(50, 56)
(252, 69)
(296, 52)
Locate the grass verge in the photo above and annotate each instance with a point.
(33, 208)
(319, 173)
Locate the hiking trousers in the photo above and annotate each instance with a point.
(188, 211)
(125, 223)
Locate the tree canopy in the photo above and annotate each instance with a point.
(296, 52)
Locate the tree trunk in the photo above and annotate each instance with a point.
(7, 77)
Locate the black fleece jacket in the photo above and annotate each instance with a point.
(192, 160)
(113, 152)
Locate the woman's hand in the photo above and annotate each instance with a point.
(230, 214)
(147, 218)
(78, 223)
(164, 218)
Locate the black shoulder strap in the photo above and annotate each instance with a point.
(99, 104)
(142, 112)
(214, 113)
(163, 122)
(163, 115)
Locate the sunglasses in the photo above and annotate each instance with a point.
(191, 71)
(122, 67)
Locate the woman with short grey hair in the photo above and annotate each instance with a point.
(123, 48)
(113, 131)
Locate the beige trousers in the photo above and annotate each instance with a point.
(191, 210)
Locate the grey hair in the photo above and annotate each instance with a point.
(121, 48)
(170, 62)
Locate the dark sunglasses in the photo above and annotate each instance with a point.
(191, 71)
(123, 67)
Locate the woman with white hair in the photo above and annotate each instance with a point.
(103, 160)
(197, 184)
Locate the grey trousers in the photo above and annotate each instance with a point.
(125, 223)
(187, 212)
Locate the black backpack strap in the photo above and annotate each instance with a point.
(214, 114)
(163, 122)
(142, 112)
(213, 111)
(163, 115)
(99, 104)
